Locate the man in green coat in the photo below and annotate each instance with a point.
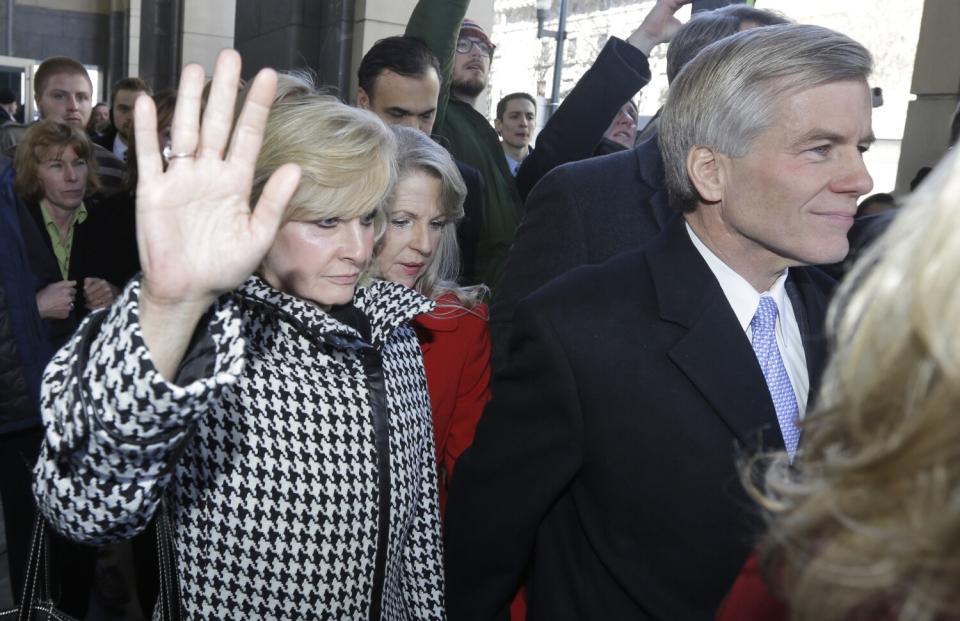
(465, 51)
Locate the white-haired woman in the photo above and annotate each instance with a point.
(866, 523)
(419, 249)
(279, 410)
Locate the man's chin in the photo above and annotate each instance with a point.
(470, 88)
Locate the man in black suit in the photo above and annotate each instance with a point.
(122, 97)
(591, 210)
(605, 467)
(399, 81)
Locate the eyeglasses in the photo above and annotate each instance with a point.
(465, 44)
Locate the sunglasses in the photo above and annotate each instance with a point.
(465, 44)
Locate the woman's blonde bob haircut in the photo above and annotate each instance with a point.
(866, 525)
(347, 158)
(417, 152)
(36, 146)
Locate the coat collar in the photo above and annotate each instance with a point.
(715, 353)
(386, 305)
(651, 173)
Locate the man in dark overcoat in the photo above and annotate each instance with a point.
(605, 469)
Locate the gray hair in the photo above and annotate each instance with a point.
(417, 152)
(708, 26)
(729, 94)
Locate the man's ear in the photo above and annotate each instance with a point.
(705, 170)
(363, 100)
(498, 125)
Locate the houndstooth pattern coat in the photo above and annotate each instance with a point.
(295, 458)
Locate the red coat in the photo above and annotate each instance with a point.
(456, 355)
(750, 599)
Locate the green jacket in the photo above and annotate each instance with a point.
(470, 138)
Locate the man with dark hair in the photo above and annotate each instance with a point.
(465, 52)
(629, 206)
(399, 80)
(515, 122)
(63, 92)
(122, 97)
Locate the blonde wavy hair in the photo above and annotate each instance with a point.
(866, 524)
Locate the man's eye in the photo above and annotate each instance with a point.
(397, 114)
(822, 149)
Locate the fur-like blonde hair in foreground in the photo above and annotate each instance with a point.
(866, 524)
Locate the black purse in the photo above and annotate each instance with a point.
(35, 603)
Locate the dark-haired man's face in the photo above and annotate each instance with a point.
(66, 98)
(397, 99)
(123, 112)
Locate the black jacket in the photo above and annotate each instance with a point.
(606, 460)
(575, 131)
(468, 230)
(581, 213)
(93, 251)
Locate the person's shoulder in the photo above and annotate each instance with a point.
(596, 172)
(597, 283)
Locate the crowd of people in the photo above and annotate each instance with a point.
(391, 360)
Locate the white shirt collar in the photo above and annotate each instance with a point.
(119, 147)
(741, 295)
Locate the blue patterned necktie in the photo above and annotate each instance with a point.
(764, 324)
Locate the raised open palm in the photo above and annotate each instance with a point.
(197, 234)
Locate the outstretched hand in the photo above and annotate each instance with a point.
(197, 234)
(658, 26)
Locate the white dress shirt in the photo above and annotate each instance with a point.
(120, 148)
(744, 300)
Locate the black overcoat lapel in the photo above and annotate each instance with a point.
(715, 353)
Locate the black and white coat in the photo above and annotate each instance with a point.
(296, 459)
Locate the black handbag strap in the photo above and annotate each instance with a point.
(35, 585)
(168, 600)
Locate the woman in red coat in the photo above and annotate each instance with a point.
(419, 249)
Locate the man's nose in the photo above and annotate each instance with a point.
(855, 178)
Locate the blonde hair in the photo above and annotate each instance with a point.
(867, 522)
(347, 159)
(417, 152)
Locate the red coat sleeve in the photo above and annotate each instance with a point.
(473, 390)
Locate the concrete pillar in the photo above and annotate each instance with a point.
(208, 27)
(936, 85)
